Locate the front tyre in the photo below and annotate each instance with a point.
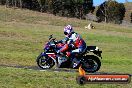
(45, 62)
(91, 63)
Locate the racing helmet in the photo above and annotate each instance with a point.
(68, 30)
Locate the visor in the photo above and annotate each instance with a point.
(65, 33)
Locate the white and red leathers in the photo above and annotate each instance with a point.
(76, 41)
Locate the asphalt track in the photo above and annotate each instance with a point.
(55, 69)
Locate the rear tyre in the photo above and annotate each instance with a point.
(45, 62)
(91, 63)
(81, 80)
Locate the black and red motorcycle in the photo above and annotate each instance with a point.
(89, 59)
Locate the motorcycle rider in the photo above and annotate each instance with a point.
(74, 40)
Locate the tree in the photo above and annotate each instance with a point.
(2, 2)
(111, 11)
(68, 8)
(42, 4)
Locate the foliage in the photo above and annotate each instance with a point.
(73, 8)
(2, 2)
(69, 8)
(111, 11)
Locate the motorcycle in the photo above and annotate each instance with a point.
(49, 57)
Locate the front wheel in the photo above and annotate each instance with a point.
(45, 62)
(91, 63)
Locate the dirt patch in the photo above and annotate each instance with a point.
(55, 69)
(39, 69)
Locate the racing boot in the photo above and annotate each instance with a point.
(75, 62)
(61, 60)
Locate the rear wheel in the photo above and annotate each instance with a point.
(91, 63)
(45, 62)
(81, 80)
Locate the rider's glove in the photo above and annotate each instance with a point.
(58, 51)
(71, 46)
(56, 42)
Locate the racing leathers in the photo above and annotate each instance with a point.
(74, 40)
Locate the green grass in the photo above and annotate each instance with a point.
(24, 78)
(23, 34)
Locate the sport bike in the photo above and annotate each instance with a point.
(89, 59)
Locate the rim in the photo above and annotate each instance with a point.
(45, 63)
(91, 65)
(81, 80)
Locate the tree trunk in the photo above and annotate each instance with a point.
(15, 2)
(40, 4)
(106, 19)
(12, 3)
(7, 3)
(131, 17)
(20, 2)
(105, 14)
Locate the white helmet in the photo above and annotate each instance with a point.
(68, 30)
